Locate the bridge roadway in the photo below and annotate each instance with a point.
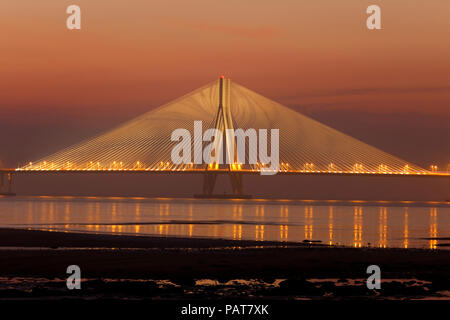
(223, 171)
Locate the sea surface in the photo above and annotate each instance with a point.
(349, 223)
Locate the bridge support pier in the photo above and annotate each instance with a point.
(209, 181)
(236, 183)
(6, 190)
(9, 183)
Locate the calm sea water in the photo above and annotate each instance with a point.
(352, 223)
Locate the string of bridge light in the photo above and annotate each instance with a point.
(168, 166)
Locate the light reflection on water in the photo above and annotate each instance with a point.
(356, 223)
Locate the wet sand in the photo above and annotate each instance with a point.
(185, 260)
(55, 239)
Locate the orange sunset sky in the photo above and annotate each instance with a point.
(389, 87)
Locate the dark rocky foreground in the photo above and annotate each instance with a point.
(116, 267)
(186, 288)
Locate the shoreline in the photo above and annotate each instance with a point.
(28, 237)
(31, 237)
(267, 200)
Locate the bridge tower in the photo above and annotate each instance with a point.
(227, 142)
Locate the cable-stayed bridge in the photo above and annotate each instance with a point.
(144, 144)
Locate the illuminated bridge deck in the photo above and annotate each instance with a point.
(221, 171)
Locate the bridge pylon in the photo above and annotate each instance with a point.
(227, 142)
